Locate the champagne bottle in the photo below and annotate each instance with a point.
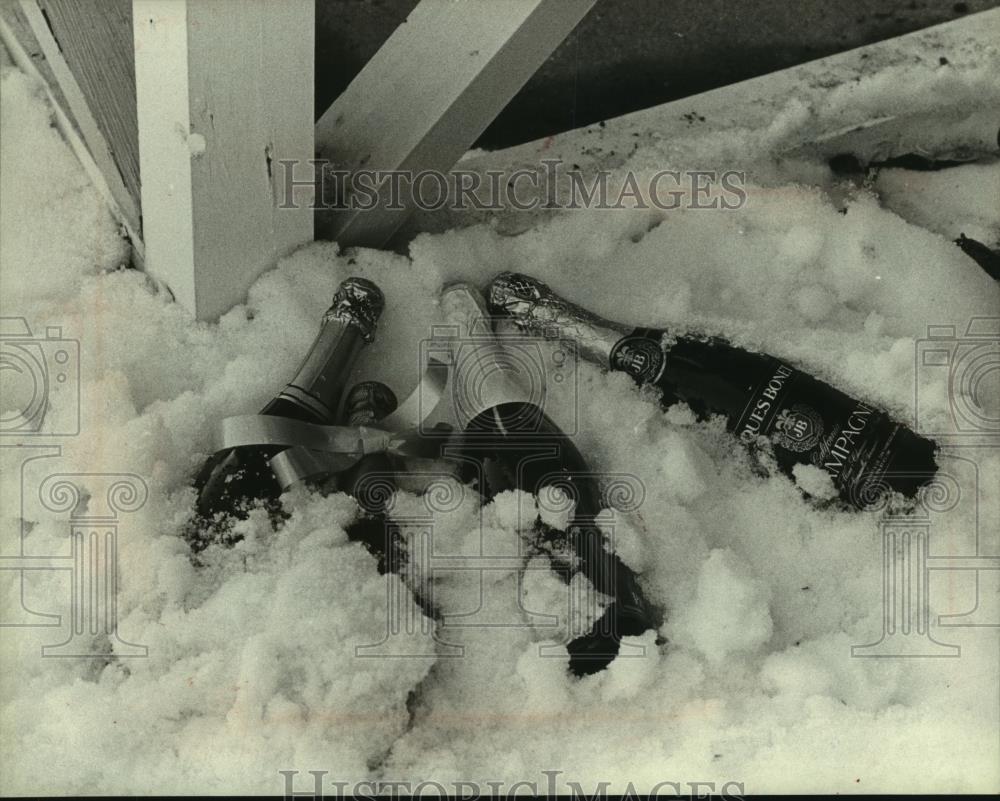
(806, 421)
(366, 404)
(374, 479)
(235, 479)
(515, 445)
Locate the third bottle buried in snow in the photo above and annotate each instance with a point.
(807, 422)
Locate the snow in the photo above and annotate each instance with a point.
(728, 614)
(950, 202)
(252, 666)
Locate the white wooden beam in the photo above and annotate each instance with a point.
(839, 121)
(224, 92)
(430, 91)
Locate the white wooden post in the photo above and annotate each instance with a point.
(224, 111)
(224, 91)
(430, 91)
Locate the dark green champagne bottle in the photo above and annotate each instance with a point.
(515, 445)
(234, 480)
(367, 403)
(806, 421)
(373, 481)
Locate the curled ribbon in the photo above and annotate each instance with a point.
(312, 450)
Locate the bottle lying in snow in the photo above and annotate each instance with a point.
(501, 431)
(231, 481)
(367, 403)
(806, 421)
(372, 480)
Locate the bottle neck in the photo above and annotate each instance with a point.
(617, 347)
(368, 402)
(482, 377)
(534, 308)
(316, 392)
(553, 317)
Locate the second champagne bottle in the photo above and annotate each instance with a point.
(865, 452)
(514, 445)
